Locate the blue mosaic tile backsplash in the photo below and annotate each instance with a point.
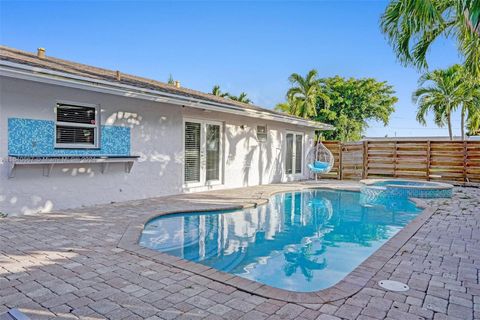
(28, 137)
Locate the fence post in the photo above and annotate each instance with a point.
(340, 160)
(429, 158)
(395, 159)
(365, 160)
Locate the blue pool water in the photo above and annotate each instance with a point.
(300, 241)
(401, 183)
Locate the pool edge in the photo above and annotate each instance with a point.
(348, 286)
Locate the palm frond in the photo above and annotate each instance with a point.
(411, 26)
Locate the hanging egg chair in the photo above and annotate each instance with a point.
(320, 160)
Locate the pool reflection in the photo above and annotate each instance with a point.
(301, 241)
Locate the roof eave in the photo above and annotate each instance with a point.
(22, 71)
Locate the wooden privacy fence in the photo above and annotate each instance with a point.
(456, 161)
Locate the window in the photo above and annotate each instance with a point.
(298, 153)
(192, 151)
(213, 152)
(202, 152)
(262, 133)
(76, 126)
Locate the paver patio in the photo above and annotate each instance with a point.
(69, 265)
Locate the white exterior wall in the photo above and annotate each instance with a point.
(156, 136)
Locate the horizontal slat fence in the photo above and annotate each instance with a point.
(454, 161)
(334, 147)
(352, 156)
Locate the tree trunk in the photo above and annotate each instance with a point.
(462, 122)
(449, 126)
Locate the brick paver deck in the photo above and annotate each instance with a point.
(70, 265)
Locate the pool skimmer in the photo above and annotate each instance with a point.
(393, 285)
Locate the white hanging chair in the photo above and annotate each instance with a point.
(320, 159)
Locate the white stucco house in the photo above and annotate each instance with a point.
(74, 135)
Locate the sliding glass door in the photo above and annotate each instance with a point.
(212, 152)
(202, 152)
(293, 153)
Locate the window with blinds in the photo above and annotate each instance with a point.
(74, 135)
(262, 133)
(192, 151)
(76, 126)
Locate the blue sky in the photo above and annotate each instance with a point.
(242, 46)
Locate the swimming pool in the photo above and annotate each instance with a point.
(388, 188)
(299, 241)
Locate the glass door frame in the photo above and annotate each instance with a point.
(294, 154)
(203, 153)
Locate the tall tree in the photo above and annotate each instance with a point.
(170, 79)
(473, 124)
(217, 92)
(440, 91)
(288, 106)
(353, 103)
(283, 107)
(411, 26)
(304, 94)
(241, 98)
(472, 11)
(348, 104)
(470, 112)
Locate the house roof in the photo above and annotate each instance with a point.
(15, 56)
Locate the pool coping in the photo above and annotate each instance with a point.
(430, 185)
(348, 286)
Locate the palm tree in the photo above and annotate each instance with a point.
(470, 111)
(472, 12)
(241, 98)
(473, 124)
(283, 107)
(411, 26)
(440, 91)
(304, 95)
(287, 106)
(170, 79)
(217, 92)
